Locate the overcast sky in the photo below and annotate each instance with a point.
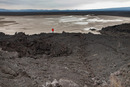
(63, 4)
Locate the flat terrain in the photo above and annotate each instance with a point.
(44, 23)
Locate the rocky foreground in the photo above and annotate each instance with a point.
(66, 59)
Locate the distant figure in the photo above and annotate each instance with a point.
(52, 30)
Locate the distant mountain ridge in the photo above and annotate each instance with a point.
(114, 9)
(35, 10)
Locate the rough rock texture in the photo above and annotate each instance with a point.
(121, 78)
(122, 30)
(61, 83)
(27, 45)
(67, 59)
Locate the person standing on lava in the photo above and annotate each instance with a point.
(52, 30)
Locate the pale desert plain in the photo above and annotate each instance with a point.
(68, 23)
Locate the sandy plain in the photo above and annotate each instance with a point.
(67, 23)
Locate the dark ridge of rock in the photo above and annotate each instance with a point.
(117, 30)
(27, 46)
(93, 29)
(2, 34)
(115, 13)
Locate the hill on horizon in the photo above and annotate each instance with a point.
(56, 10)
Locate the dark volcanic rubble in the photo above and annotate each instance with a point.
(117, 30)
(66, 59)
(33, 45)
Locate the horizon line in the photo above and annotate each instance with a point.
(62, 9)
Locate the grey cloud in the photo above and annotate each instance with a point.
(51, 3)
